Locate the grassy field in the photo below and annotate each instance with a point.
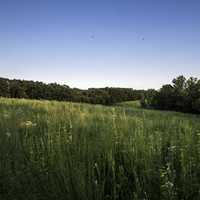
(129, 104)
(56, 151)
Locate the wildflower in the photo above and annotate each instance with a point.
(28, 124)
(172, 148)
(8, 134)
(70, 138)
(95, 165)
(70, 125)
(169, 184)
(96, 182)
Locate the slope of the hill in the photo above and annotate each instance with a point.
(56, 150)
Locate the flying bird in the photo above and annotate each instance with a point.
(92, 36)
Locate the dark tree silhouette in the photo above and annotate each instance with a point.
(54, 91)
(183, 95)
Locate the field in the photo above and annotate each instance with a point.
(55, 150)
(129, 104)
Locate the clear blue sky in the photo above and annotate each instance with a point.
(97, 43)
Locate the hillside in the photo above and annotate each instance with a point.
(58, 150)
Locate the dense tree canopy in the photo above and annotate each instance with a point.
(183, 95)
(53, 91)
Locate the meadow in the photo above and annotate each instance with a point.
(58, 150)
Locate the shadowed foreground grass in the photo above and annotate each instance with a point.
(55, 151)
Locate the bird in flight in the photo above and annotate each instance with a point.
(92, 36)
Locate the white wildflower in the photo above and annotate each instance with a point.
(172, 148)
(95, 165)
(28, 124)
(96, 182)
(8, 134)
(70, 138)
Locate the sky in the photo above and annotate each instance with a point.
(137, 44)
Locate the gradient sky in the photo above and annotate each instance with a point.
(97, 43)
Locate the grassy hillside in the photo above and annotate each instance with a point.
(130, 104)
(51, 150)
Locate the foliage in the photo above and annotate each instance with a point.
(53, 91)
(183, 95)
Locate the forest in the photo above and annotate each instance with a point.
(53, 91)
(182, 95)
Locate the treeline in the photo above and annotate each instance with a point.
(53, 91)
(182, 95)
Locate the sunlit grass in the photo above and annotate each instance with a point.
(130, 104)
(57, 150)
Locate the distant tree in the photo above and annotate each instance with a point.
(179, 83)
(165, 97)
(54, 91)
(196, 106)
(192, 93)
(17, 89)
(4, 87)
(183, 95)
(148, 98)
(179, 92)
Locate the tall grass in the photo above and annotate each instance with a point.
(51, 150)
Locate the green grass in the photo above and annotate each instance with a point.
(130, 104)
(56, 150)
